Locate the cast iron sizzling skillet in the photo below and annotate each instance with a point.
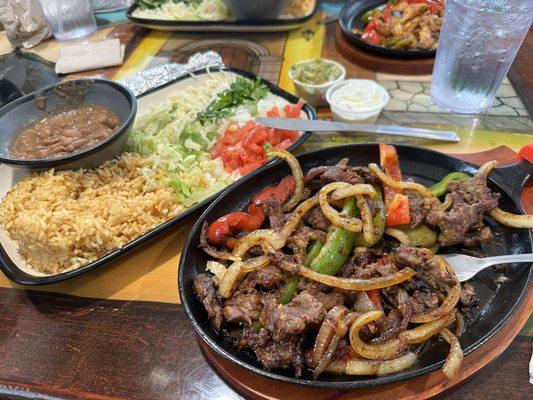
(13, 272)
(497, 302)
(350, 17)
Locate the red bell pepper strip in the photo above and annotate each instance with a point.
(371, 35)
(375, 298)
(398, 211)
(222, 229)
(396, 203)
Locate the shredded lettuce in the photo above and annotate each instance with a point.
(178, 139)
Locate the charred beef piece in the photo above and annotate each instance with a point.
(244, 308)
(204, 287)
(340, 172)
(272, 354)
(295, 318)
(268, 278)
(417, 212)
(328, 300)
(421, 260)
(316, 219)
(274, 212)
(374, 270)
(300, 239)
(463, 222)
(361, 258)
(468, 297)
(478, 237)
(312, 286)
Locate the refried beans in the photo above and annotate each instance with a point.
(64, 132)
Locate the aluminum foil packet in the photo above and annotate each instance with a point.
(24, 22)
(143, 81)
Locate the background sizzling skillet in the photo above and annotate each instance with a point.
(497, 301)
(11, 265)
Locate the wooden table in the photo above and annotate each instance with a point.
(120, 331)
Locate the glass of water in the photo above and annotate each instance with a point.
(478, 43)
(69, 19)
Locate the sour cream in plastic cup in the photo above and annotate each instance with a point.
(357, 100)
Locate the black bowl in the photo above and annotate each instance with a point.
(350, 17)
(19, 113)
(497, 302)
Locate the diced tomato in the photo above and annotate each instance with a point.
(293, 110)
(249, 167)
(241, 147)
(292, 135)
(274, 136)
(273, 112)
(284, 144)
(398, 211)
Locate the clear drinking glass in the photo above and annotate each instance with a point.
(478, 43)
(69, 19)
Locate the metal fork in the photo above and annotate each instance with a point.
(467, 267)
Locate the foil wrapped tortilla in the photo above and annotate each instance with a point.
(24, 22)
(143, 81)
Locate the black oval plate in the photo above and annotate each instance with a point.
(13, 272)
(498, 302)
(242, 25)
(350, 17)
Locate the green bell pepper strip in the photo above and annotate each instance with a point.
(289, 290)
(367, 16)
(291, 286)
(378, 220)
(338, 246)
(420, 236)
(441, 188)
(314, 251)
(258, 326)
(326, 259)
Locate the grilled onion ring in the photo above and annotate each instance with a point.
(512, 220)
(336, 218)
(256, 238)
(369, 232)
(283, 262)
(383, 351)
(236, 273)
(423, 332)
(357, 366)
(455, 357)
(351, 190)
(297, 215)
(424, 191)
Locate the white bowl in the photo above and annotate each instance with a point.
(315, 95)
(363, 114)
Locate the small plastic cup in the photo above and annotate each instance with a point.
(315, 95)
(357, 112)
